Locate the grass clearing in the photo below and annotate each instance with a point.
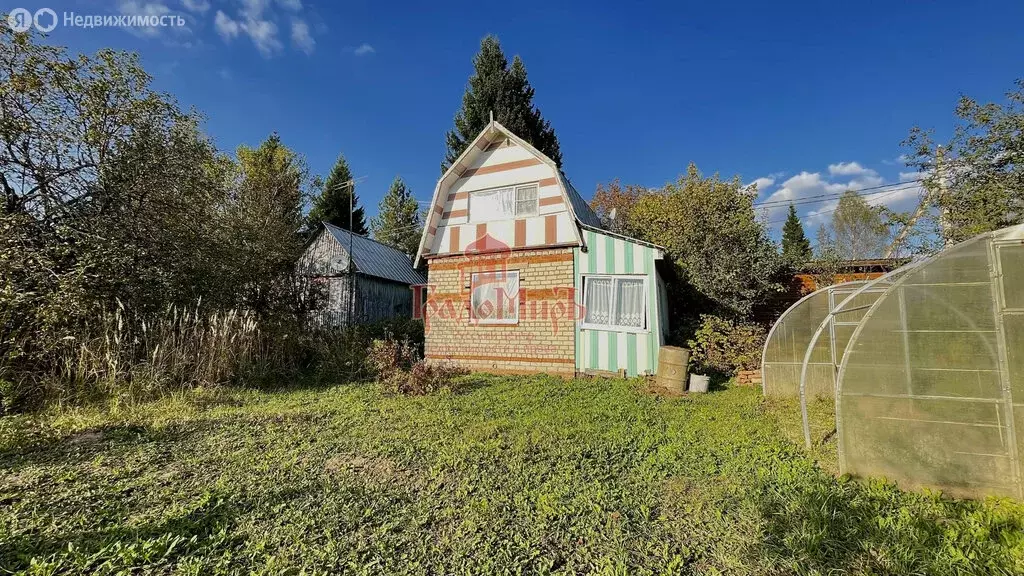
(511, 475)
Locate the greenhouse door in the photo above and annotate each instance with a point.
(1009, 272)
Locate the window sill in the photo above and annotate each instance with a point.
(494, 322)
(606, 328)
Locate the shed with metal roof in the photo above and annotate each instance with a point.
(361, 280)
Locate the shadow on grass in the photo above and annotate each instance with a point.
(852, 527)
(208, 525)
(85, 445)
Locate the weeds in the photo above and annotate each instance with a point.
(399, 369)
(515, 475)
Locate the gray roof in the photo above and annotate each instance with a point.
(584, 213)
(375, 259)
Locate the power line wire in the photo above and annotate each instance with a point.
(805, 200)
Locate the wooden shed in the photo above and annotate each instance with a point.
(363, 280)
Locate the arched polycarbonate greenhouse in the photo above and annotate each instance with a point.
(926, 389)
(786, 346)
(928, 366)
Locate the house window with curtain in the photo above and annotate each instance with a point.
(503, 203)
(494, 297)
(615, 303)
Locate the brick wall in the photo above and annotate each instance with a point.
(544, 338)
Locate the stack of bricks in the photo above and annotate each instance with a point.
(748, 378)
(543, 339)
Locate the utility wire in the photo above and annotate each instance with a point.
(771, 203)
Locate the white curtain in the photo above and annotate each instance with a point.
(492, 205)
(526, 201)
(598, 301)
(495, 296)
(629, 302)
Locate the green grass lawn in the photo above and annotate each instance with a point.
(511, 475)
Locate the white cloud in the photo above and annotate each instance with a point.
(146, 9)
(226, 27)
(763, 183)
(301, 36)
(364, 49)
(257, 20)
(848, 169)
(254, 8)
(910, 176)
(264, 35)
(199, 6)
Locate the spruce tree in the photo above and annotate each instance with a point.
(332, 204)
(398, 221)
(796, 248)
(496, 87)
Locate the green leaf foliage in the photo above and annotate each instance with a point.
(714, 238)
(975, 182)
(858, 229)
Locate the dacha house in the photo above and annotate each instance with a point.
(523, 278)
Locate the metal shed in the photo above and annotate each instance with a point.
(372, 284)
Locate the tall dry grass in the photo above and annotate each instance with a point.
(125, 356)
(133, 355)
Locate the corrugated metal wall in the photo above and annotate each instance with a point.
(608, 350)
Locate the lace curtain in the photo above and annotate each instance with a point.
(615, 302)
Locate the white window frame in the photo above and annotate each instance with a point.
(493, 321)
(615, 294)
(515, 188)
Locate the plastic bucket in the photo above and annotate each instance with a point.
(699, 383)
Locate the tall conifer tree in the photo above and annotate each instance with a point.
(504, 90)
(398, 221)
(796, 248)
(332, 205)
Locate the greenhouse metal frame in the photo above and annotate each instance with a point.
(925, 385)
(783, 359)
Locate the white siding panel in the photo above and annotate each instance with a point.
(642, 364)
(534, 231)
(552, 209)
(620, 257)
(502, 230)
(504, 178)
(602, 351)
(623, 350)
(566, 232)
(501, 156)
(443, 238)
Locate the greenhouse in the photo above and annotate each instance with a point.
(786, 346)
(924, 362)
(926, 389)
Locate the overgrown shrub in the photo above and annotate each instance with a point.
(388, 356)
(399, 368)
(726, 346)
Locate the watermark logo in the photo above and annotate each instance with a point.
(486, 289)
(46, 20)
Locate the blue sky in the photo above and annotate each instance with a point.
(808, 97)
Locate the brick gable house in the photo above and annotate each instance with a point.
(523, 279)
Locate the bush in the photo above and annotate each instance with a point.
(400, 370)
(388, 357)
(724, 346)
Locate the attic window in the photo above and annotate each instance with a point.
(503, 203)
